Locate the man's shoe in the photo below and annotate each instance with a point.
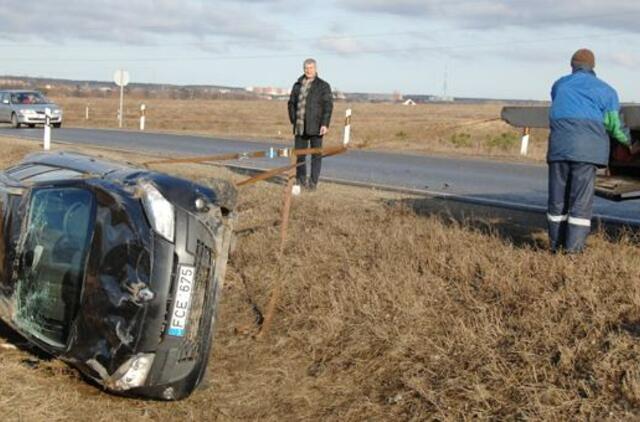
(312, 187)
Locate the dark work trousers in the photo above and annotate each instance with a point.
(571, 191)
(303, 142)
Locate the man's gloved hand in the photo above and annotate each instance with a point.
(634, 148)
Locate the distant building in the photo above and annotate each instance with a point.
(268, 91)
(441, 99)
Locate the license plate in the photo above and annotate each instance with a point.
(182, 303)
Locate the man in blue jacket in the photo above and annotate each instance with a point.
(585, 112)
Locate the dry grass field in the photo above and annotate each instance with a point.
(452, 129)
(390, 311)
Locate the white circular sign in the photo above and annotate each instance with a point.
(121, 77)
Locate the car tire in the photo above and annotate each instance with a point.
(14, 121)
(57, 125)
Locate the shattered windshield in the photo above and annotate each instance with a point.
(52, 264)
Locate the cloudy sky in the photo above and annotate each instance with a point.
(488, 48)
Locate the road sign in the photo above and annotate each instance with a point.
(121, 77)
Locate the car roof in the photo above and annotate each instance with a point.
(78, 162)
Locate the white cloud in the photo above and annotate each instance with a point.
(612, 14)
(625, 59)
(134, 21)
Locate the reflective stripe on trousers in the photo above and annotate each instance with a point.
(571, 191)
(557, 218)
(583, 222)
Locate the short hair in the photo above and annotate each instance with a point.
(309, 61)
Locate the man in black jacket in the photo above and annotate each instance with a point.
(310, 107)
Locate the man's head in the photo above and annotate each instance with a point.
(309, 67)
(583, 59)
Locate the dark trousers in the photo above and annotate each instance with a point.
(303, 142)
(571, 191)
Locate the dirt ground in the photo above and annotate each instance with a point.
(393, 308)
(451, 129)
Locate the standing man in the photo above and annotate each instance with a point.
(310, 107)
(584, 113)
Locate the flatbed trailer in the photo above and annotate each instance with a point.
(620, 181)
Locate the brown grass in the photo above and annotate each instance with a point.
(389, 314)
(452, 129)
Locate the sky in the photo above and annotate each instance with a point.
(486, 48)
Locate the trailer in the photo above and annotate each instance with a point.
(620, 181)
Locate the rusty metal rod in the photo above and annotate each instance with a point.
(270, 153)
(328, 152)
(219, 157)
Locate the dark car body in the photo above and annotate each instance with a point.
(115, 269)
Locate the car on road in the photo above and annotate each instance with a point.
(28, 108)
(115, 269)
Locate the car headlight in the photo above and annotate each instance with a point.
(27, 111)
(134, 372)
(160, 212)
(57, 111)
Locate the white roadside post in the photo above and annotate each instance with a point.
(86, 112)
(347, 128)
(47, 129)
(524, 147)
(143, 108)
(121, 78)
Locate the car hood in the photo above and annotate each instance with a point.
(107, 328)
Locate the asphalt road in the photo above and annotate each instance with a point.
(513, 185)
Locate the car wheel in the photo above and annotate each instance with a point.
(14, 121)
(57, 125)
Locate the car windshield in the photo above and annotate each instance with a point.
(52, 264)
(28, 98)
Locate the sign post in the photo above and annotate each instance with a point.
(121, 78)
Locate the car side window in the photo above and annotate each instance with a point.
(52, 264)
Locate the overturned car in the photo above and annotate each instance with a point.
(115, 269)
